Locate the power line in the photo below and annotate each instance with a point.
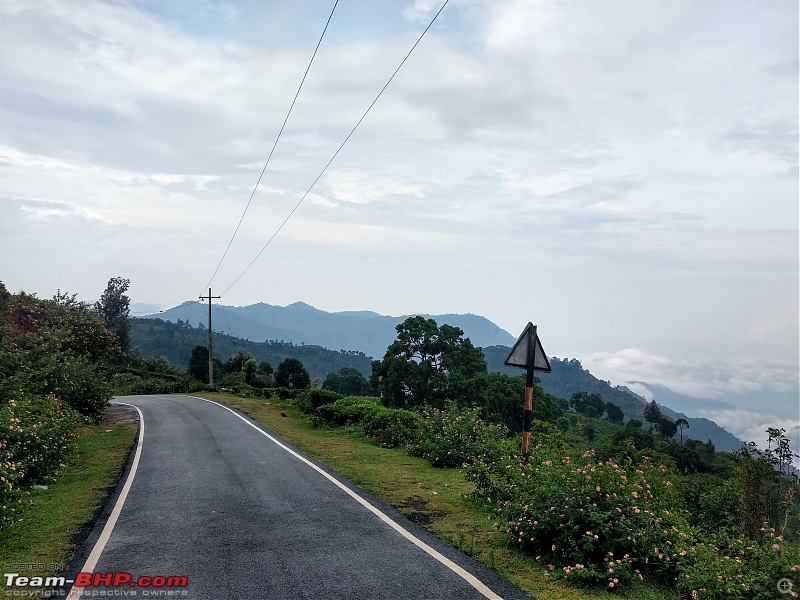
(335, 154)
(308, 68)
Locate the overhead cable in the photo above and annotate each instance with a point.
(335, 154)
(308, 68)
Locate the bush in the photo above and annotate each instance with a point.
(600, 522)
(453, 437)
(349, 410)
(725, 565)
(311, 399)
(392, 427)
(35, 436)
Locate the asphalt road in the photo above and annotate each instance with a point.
(241, 515)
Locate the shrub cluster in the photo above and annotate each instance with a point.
(455, 436)
(599, 521)
(36, 435)
(390, 427)
(727, 565)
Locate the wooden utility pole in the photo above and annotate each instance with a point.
(210, 352)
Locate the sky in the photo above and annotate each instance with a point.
(622, 173)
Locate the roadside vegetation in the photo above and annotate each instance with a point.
(597, 505)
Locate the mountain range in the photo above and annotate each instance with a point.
(300, 323)
(305, 332)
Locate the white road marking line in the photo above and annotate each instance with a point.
(464, 574)
(100, 545)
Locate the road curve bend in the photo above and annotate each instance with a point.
(215, 498)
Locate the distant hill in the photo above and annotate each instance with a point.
(175, 341)
(300, 323)
(568, 376)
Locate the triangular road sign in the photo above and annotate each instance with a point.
(528, 351)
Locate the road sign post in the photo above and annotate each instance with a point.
(528, 354)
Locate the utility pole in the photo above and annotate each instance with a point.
(210, 353)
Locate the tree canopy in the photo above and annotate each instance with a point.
(426, 364)
(292, 374)
(114, 308)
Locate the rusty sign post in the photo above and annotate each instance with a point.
(528, 354)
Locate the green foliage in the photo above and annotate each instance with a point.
(711, 501)
(599, 522)
(348, 410)
(311, 399)
(767, 494)
(426, 365)
(588, 404)
(392, 427)
(292, 374)
(666, 427)
(614, 413)
(652, 414)
(727, 565)
(347, 381)
(35, 436)
(51, 347)
(455, 436)
(114, 308)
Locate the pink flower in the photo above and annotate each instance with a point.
(776, 547)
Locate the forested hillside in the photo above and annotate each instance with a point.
(154, 338)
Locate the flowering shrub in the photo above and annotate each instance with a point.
(453, 437)
(35, 435)
(726, 565)
(600, 522)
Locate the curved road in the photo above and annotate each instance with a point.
(216, 498)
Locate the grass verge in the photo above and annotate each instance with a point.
(438, 499)
(56, 519)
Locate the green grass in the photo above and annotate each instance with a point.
(438, 499)
(54, 520)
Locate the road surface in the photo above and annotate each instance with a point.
(217, 499)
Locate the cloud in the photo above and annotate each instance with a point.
(750, 425)
(741, 380)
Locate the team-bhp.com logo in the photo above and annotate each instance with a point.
(92, 584)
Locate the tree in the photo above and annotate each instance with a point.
(347, 381)
(427, 364)
(198, 364)
(666, 427)
(591, 405)
(682, 424)
(292, 374)
(236, 362)
(652, 413)
(614, 413)
(114, 308)
(634, 424)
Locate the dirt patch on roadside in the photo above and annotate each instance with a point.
(416, 510)
(114, 414)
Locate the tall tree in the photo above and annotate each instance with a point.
(666, 427)
(614, 413)
(652, 413)
(114, 308)
(682, 424)
(426, 364)
(292, 374)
